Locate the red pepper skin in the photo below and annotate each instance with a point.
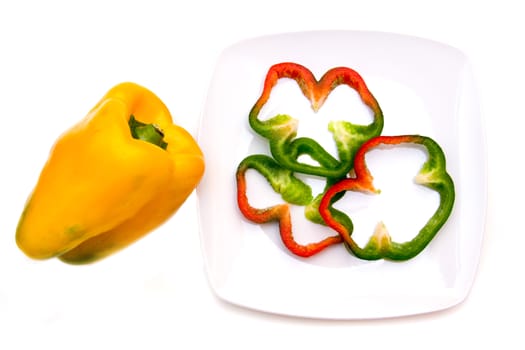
(281, 130)
(433, 175)
(283, 182)
(315, 91)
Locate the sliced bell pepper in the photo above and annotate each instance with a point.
(281, 130)
(292, 190)
(433, 174)
(118, 174)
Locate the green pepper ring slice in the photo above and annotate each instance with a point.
(433, 175)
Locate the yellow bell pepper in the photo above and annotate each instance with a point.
(115, 176)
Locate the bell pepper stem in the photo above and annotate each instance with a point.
(147, 132)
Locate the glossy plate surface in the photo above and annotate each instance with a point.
(423, 87)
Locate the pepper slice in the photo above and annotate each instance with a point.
(116, 175)
(433, 174)
(281, 130)
(292, 190)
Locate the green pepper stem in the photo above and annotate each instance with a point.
(147, 132)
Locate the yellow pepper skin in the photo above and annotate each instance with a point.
(101, 189)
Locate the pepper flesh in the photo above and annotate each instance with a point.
(102, 189)
(281, 130)
(292, 191)
(433, 174)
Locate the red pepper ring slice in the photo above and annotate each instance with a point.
(433, 175)
(284, 181)
(281, 129)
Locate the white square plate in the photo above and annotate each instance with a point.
(423, 87)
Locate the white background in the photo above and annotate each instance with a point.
(58, 58)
